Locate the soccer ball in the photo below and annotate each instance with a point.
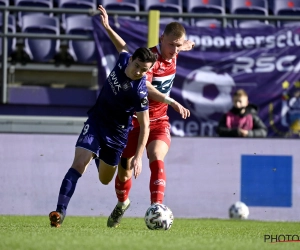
(159, 217)
(207, 92)
(238, 210)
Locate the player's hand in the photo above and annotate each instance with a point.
(180, 109)
(192, 44)
(136, 165)
(187, 45)
(103, 16)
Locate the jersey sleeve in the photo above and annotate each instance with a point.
(124, 55)
(141, 102)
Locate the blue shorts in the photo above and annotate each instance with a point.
(92, 140)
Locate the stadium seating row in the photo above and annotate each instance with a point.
(43, 50)
(275, 7)
(244, 7)
(84, 51)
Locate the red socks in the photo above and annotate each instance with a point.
(157, 181)
(157, 184)
(122, 189)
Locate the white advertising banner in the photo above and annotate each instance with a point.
(204, 177)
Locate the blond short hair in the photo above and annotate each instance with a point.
(240, 92)
(176, 29)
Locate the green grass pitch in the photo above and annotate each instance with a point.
(84, 233)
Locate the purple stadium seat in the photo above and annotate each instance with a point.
(11, 27)
(4, 2)
(164, 5)
(81, 51)
(205, 7)
(78, 4)
(248, 7)
(33, 3)
(289, 8)
(41, 50)
(126, 5)
(174, 6)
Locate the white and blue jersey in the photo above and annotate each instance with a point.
(110, 119)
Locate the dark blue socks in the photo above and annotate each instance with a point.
(67, 189)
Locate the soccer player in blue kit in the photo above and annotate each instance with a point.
(105, 133)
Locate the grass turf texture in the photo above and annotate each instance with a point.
(34, 232)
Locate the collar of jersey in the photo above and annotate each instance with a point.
(159, 52)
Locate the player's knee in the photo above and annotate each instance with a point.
(124, 162)
(125, 176)
(104, 181)
(79, 166)
(124, 171)
(155, 155)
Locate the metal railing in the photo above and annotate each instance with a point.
(5, 35)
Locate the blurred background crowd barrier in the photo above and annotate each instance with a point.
(55, 57)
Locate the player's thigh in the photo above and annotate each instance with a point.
(132, 143)
(87, 146)
(106, 172)
(159, 141)
(82, 159)
(109, 160)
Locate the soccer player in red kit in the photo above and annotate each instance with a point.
(159, 82)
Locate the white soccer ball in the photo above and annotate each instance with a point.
(159, 217)
(239, 210)
(207, 93)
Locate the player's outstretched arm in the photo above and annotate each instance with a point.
(184, 112)
(154, 94)
(119, 43)
(187, 45)
(157, 96)
(136, 163)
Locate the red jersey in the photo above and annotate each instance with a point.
(161, 76)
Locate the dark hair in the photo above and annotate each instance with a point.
(144, 55)
(176, 29)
